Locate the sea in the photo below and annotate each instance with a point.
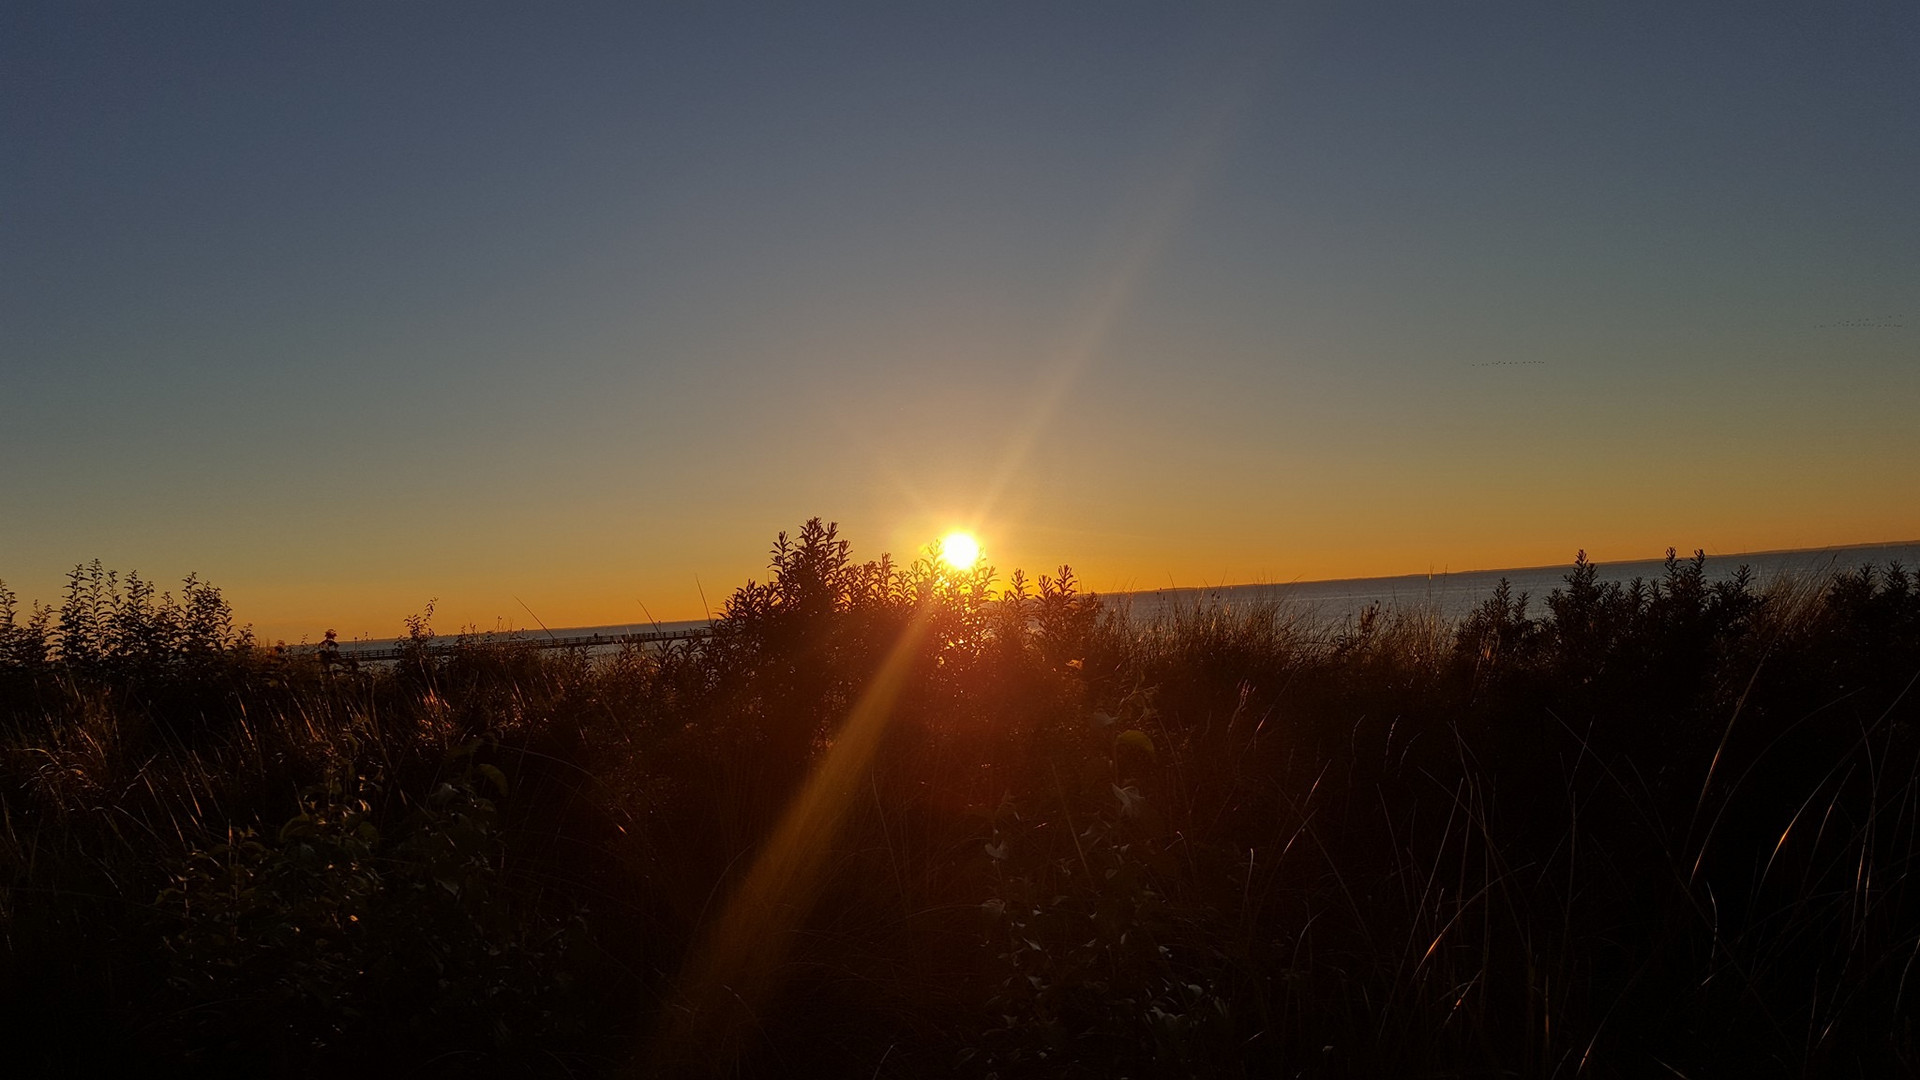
(1455, 595)
(1449, 596)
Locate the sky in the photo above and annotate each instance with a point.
(558, 313)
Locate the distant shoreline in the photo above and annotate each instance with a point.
(1772, 553)
(1452, 593)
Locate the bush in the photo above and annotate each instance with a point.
(1632, 831)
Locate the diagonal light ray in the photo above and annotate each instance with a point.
(1164, 211)
(736, 966)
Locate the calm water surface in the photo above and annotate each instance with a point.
(1451, 596)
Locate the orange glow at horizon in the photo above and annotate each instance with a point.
(1168, 540)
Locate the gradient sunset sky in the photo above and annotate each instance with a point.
(568, 309)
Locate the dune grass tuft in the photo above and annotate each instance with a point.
(1659, 828)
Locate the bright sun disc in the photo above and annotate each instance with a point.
(959, 550)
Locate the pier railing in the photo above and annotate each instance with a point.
(584, 641)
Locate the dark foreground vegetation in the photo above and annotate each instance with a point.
(1665, 829)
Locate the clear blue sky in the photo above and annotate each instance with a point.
(565, 308)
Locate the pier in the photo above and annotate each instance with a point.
(584, 641)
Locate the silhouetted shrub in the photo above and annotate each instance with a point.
(1626, 833)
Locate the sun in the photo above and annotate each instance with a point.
(959, 550)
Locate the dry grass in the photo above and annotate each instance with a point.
(1664, 832)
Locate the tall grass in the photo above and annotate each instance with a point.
(1663, 828)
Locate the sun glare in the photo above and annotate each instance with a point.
(959, 550)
